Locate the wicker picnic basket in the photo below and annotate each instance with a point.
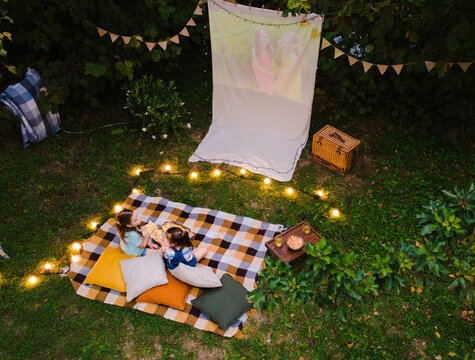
(334, 149)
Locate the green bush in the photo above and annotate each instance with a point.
(335, 279)
(156, 107)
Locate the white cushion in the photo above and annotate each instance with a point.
(200, 276)
(143, 273)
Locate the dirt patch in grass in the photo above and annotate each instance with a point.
(194, 347)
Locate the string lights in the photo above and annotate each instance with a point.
(267, 181)
(217, 172)
(194, 175)
(335, 213)
(117, 208)
(76, 246)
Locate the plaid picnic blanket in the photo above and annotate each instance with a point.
(236, 245)
(21, 99)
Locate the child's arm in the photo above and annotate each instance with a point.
(145, 240)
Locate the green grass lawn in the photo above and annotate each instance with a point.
(51, 191)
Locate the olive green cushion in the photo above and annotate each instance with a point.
(224, 305)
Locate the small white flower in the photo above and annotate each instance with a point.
(144, 129)
(154, 137)
(188, 126)
(148, 108)
(125, 107)
(182, 103)
(164, 136)
(161, 152)
(128, 91)
(146, 112)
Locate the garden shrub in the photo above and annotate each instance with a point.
(155, 106)
(334, 279)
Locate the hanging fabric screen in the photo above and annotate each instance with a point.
(263, 85)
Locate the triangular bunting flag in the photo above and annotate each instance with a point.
(449, 65)
(465, 65)
(397, 68)
(113, 36)
(325, 43)
(190, 23)
(101, 32)
(352, 60)
(126, 39)
(198, 11)
(139, 38)
(163, 45)
(175, 39)
(338, 53)
(184, 32)
(150, 45)
(382, 68)
(429, 65)
(314, 34)
(366, 66)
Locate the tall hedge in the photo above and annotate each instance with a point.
(59, 38)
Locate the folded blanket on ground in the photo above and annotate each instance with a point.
(22, 100)
(236, 245)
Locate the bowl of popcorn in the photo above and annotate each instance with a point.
(295, 242)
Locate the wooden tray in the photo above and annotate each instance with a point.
(286, 254)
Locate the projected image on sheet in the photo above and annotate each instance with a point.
(271, 60)
(264, 69)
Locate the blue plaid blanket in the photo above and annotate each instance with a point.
(22, 100)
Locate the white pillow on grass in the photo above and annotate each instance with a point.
(199, 276)
(143, 273)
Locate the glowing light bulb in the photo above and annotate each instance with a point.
(32, 280)
(168, 167)
(267, 181)
(290, 191)
(75, 258)
(76, 246)
(335, 212)
(194, 175)
(320, 193)
(217, 172)
(243, 171)
(117, 208)
(137, 172)
(135, 191)
(93, 225)
(48, 266)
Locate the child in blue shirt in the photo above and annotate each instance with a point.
(133, 239)
(179, 249)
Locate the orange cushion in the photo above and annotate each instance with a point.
(172, 294)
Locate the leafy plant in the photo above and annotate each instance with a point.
(441, 220)
(463, 202)
(156, 106)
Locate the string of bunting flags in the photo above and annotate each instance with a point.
(383, 67)
(325, 43)
(163, 44)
